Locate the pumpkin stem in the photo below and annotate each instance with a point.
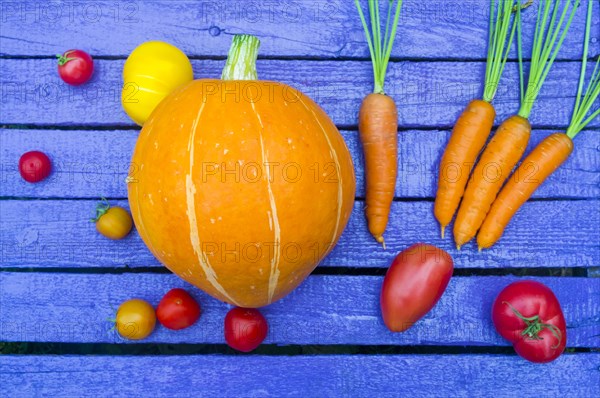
(241, 61)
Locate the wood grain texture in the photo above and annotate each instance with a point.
(428, 94)
(88, 163)
(54, 307)
(58, 233)
(438, 68)
(574, 376)
(431, 29)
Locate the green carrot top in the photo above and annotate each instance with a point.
(592, 91)
(380, 50)
(547, 42)
(498, 45)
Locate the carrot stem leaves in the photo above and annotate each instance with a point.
(498, 45)
(546, 45)
(584, 105)
(520, 54)
(368, 36)
(379, 49)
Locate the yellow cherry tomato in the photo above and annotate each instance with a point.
(113, 222)
(135, 319)
(152, 71)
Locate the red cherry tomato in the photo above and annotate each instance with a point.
(528, 314)
(75, 67)
(178, 310)
(413, 285)
(34, 166)
(245, 329)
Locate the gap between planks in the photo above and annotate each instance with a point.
(163, 349)
(564, 272)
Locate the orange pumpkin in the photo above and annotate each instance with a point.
(241, 186)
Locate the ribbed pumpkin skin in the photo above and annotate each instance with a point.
(216, 195)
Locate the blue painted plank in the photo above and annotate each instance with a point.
(89, 163)
(58, 233)
(431, 29)
(428, 94)
(54, 307)
(573, 375)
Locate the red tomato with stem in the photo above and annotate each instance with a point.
(528, 314)
(245, 329)
(34, 166)
(75, 67)
(178, 310)
(413, 285)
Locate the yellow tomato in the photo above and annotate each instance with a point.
(113, 222)
(135, 319)
(152, 71)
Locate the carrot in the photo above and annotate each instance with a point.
(468, 137)
(553, 151)
(510, 141)
(474, 125)
(378, 133)
(544, 159)
(502, 153)
(378, 121)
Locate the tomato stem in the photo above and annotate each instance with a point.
(534, 326)
(101, 209)
(64, 58)
(241, 61)
(114, 324)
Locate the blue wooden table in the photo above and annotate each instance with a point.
(60, 280)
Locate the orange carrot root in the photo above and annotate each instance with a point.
(378, 126)
(470, 133)
(497, 161)
(533, 171)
